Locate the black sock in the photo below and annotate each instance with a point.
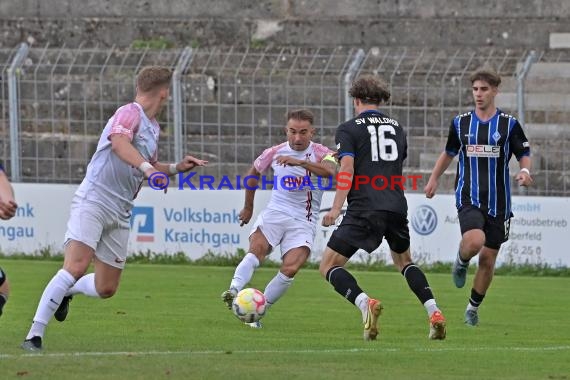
(476, 298)
(2, 302)
(417, 282)
(344, 283)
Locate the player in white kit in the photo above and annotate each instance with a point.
(290, 218)
(98, 226)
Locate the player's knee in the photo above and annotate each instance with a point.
(106, 291)
(290, 270)
(76, 271)
(76, 268)
(473, 245)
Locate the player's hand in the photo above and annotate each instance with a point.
(430, 188)
(330, 217)
(288, 160)
(524, 179)
(188, 163)
(7, 209)
(245, 216)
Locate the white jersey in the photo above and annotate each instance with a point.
(110, 181)
(300, 200)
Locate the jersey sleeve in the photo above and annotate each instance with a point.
(154, 159)
(263, 162)
(518, 142)
(321, 152)
(126, 121)
(453, 144)
(344, 142)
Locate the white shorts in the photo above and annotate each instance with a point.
(280, 229)
(101, 229)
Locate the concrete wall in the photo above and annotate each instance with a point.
(281, 9)
(439, 23)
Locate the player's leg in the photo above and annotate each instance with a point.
(293, 260)
(76, 261)
(259, 248)
(106, 279)
(472, 222)
(398, 238)
(4, 289)
(111, 252)
(109, 262)
(296, 243)
(496, 232)
(481, 283)
(332, 269)
(418, 283)
(354, 232)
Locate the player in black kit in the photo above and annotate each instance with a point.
(371, 149)
(484, 141)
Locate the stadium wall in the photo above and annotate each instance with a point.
(365, 23)
(198, 222)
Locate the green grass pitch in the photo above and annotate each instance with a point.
(168, 322)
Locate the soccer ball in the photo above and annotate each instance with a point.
(249, 305)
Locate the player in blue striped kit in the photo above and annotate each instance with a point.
(484, 141)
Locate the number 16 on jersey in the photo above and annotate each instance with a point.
(379, 143)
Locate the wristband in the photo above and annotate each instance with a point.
(172, 169)
(526, 171)
(145, 166)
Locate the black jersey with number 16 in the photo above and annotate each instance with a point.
(379, 147)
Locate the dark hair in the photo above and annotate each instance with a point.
(487, 75)
(153, 77)
(301, 114)
(369, 89)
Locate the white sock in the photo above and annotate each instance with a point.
(85, 285)
(460, 261)
(277, 287)
(471, 307)
(50, 300)
(244, 271)
(361, 302)
(431, 307)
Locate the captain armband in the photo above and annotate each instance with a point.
(329, 157)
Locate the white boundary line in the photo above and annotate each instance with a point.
(261, 352)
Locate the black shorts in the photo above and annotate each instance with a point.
(365, 230)
(496, 228)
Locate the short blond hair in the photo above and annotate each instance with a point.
(153, 77)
